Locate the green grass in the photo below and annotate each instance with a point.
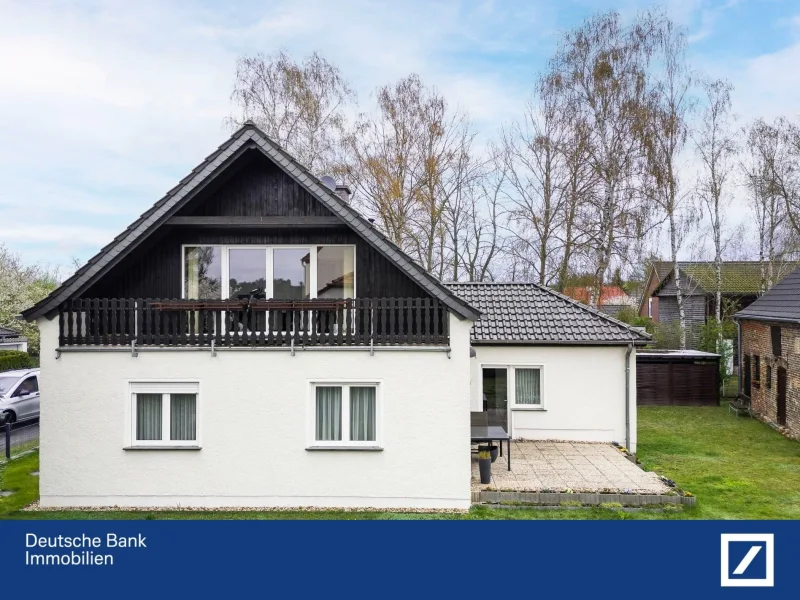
(16, 475)
(738, 468)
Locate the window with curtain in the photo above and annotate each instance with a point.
(528, 387)
(345, 415)
(164, 414)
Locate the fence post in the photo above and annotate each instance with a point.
(7, 428)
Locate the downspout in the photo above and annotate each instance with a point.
(628, 396)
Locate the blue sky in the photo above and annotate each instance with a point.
(105, 105)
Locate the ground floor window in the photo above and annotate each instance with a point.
(345, 415)
(164, 414)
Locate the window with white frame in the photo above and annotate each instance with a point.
(164, 414)
(345, 415)
(527, 387)
(284, 272)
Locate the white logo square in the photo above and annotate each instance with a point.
(767, 540)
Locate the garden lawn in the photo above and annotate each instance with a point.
(739, 468)
(16, 476)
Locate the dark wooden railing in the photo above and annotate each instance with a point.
(323, 322)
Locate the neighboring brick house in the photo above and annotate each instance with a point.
(770, 353)
(741, 285)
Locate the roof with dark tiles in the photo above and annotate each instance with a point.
(528, 313)
(781, 303)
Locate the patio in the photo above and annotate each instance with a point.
(559, 466)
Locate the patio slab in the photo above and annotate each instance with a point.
(561, 466)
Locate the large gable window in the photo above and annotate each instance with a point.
(282, 272)
(202, 272)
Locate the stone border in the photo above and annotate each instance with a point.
(588, 499)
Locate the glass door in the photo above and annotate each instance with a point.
(495, 396)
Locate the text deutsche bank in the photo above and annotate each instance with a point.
(78, 550)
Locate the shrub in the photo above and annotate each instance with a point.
(629, 315)
(15, 359)
(709, 335)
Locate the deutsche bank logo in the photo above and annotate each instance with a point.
(748, 559)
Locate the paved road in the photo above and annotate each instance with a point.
(20, 434)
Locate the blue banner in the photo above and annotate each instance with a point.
(410, 559)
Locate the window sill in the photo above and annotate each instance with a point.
(346, 448)
(532, 408)
(165, 447)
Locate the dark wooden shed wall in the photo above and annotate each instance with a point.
(668, 381)
(254, 187)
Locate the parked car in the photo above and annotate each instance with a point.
(19, 395)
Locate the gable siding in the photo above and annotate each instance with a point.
(694, 310)
(256, 187)
(155, 271)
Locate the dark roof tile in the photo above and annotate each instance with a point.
(530, 313)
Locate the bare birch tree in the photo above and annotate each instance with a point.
(603, 65)
(532, 150)
(716, 148)
(302, 106)
(665, 139)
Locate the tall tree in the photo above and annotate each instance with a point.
(716, 148)
(533, 153)
(22, 286)
(603, 65)
(671, 103)
(302, 106)
(409, 160)
(765, 166)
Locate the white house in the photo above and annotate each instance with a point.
(251, 340)
(12, 340)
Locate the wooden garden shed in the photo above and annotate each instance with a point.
(677, 378)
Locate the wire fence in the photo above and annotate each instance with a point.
(18, 438)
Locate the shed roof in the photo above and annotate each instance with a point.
(247, 137)
(528, 313)
(781, 303)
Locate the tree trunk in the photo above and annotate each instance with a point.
(673, 241)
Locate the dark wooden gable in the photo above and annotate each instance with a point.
(252, 187)
(256, 187)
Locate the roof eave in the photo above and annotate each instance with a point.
(639, 342)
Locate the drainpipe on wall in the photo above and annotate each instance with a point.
(628, 396)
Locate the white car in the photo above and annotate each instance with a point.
(19, 395)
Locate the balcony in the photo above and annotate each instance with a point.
(366, 322)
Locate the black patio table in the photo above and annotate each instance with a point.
(492, 433)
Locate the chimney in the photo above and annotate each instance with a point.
(343, 192)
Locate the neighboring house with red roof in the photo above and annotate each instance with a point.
(612, 298)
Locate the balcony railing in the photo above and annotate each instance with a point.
(265, 323)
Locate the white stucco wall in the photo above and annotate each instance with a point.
(583, 391)
(253, 417)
